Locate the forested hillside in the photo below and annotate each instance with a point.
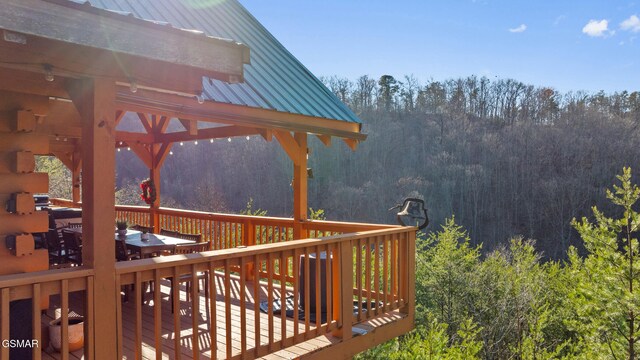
(505, 157)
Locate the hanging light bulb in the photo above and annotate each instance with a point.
(133, 86)
(248, 137)
(181, 143)
(128, 149)
(229, 139)
(118, 149)
(200, 99)
(195, 142)
(170, 152)
(120, 142)
(48, 72)
(211, 141)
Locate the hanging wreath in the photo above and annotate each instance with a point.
(148, 191)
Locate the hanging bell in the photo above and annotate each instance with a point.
(413, 213)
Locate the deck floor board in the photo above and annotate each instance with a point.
(204, 340)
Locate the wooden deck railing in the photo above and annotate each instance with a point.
(370, 271)
(366, 275)
(36, 288)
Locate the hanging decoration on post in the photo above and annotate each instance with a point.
(148, 191)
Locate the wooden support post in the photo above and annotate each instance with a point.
(342, 286)
(300, 187)
(154, 175)
(76, 167)
(94, 99)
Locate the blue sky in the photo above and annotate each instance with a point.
(565, 44)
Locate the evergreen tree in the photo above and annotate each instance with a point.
(605, 295)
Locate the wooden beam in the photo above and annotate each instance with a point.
(95, 102)
(209, 133)
(289, 145)
(160, 124)
(143, 153)
(29, 82)
(146, 122)
(162, 153)
(190, 125)
(326, 139)
(177, 106)
(133, 137)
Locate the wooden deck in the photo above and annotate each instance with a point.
(185, 335)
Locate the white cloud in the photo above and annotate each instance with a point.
(631, 24)
(597, 28)
(519, 29)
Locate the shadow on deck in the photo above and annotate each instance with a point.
(310, 346)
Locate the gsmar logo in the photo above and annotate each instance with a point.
(23, 343)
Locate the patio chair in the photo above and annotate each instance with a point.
(122, 252)
(57, 254)
(73, 247)
(168, 232)
(187, 278)
(195, 237)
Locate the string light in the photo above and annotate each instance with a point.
(57, 138)
(170, 152)
(118, 149)
(120, 142)
(133, 86)
(65, 139)
(128, 149)
(181, 143)
(248, 137)
(195, 142)
(48, 72)
(211, 141)
(229, 139)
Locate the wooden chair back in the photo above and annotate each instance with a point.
(142, 228)
(194, 237)
(192, 248)
(168, 232)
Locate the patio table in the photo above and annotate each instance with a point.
(156, 244)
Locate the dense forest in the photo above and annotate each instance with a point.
(506, 158)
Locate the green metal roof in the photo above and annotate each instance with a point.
(275, 79)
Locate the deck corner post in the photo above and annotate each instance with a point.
(408, 273)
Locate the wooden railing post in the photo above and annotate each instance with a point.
(249, 239)
(407, 264)
(342, 286)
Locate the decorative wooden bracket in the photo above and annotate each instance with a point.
(352, 143)
(267, 134)
(190, 125)
(326, 139)
(289, 144)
